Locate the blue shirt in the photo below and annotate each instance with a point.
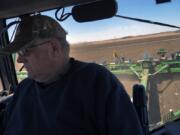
(87, 100)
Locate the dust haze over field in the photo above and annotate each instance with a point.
(163, 90)
(133, 48)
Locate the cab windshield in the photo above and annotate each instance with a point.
(134, 51)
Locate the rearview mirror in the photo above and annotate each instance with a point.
(94, 11)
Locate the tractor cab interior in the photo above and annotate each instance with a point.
(143, 85)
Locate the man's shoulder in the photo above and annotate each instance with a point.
(91, 70)
(24, 84)
(90, 66)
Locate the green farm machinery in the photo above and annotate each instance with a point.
(146, 71)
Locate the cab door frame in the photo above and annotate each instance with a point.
(7, 68)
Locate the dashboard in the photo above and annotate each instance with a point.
(170, 128)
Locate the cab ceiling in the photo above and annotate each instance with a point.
(13, 8)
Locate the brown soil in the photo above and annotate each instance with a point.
(133, 48)
(164, 90)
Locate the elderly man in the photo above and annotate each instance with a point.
(63, 96)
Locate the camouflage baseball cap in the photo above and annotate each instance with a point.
(33, 30)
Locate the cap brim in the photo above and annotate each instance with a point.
(16, 46)
(13, 47)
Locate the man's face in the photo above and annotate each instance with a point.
(38, 61)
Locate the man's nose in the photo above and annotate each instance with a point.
(21, 59)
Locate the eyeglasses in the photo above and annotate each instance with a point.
(26, 51)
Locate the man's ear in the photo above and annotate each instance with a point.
(55, 47)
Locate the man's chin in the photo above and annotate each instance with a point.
(30, 76)
(35, 78)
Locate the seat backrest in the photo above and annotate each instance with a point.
(140, 104)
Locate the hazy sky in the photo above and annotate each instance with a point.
(118, 27)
